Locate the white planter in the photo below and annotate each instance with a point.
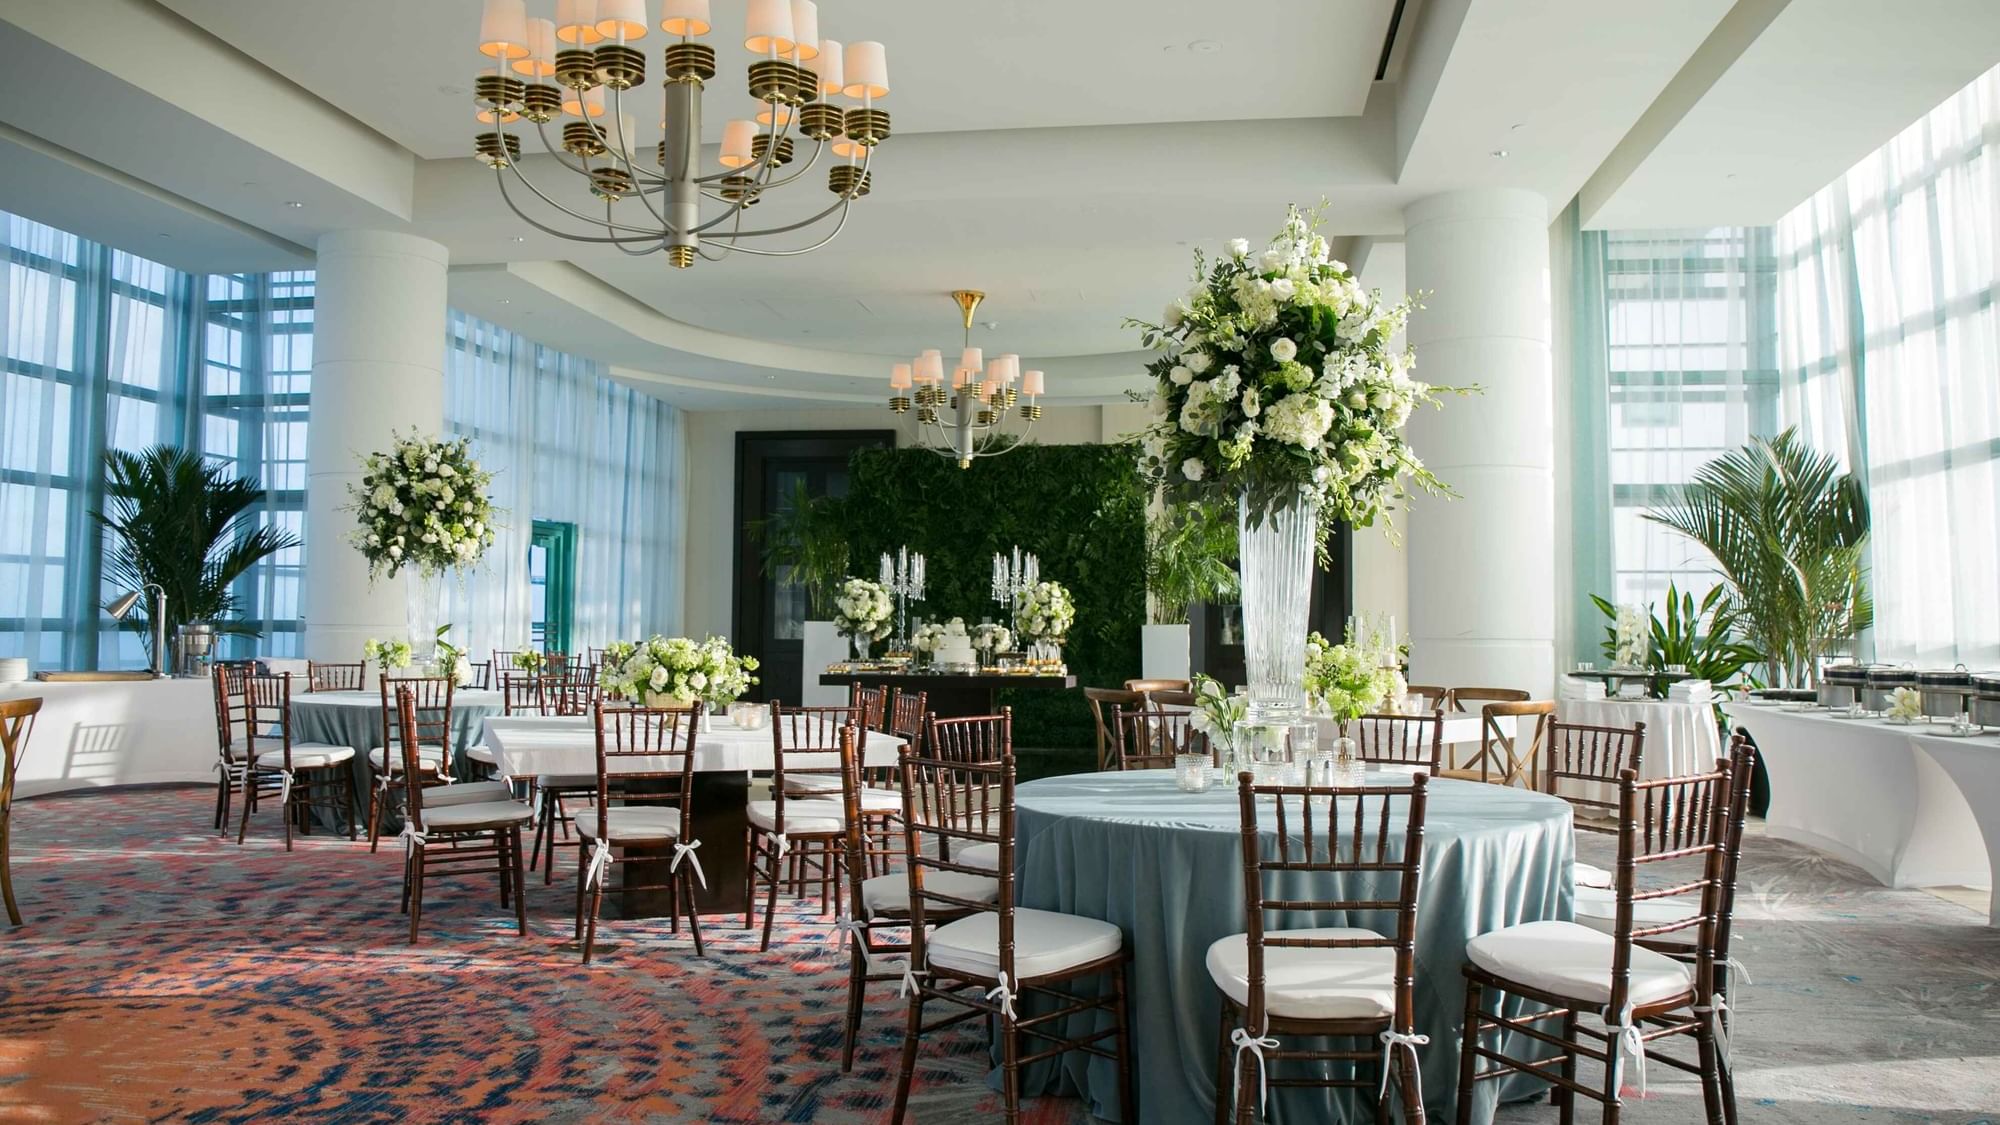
(823, 646)
(1165, 652)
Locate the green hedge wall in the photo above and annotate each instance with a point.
(1080, 508)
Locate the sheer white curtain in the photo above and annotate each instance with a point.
(1892, 360)
(566, 445)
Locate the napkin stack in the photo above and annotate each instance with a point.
(13, 670)
(1580, 690)
(1690, 691)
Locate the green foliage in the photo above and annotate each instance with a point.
(188, 526)
(1081, 508)
(1190, 556)
(808, 536)
(1705, 638)
(1789, 532)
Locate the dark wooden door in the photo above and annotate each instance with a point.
(770, 610)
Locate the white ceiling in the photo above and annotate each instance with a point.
(1065, 157)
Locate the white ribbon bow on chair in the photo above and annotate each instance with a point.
(784, 845)
(852, 928)
(686, 852)
(1392, 1039)
(1004, 993)
(412, 839)
(1256, 1045)
(1718, 1028)
(1629, 1042)
(600, 860)
(284, 788)
(909, 983)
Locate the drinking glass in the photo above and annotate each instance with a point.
(1191, 772)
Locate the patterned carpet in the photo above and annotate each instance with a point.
(165, 975)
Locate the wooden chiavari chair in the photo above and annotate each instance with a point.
(654, 747)
(1101, 699)
(871, 705)
(464, 837)
(431, 697)
(1399, 740)
(293, 769)
(482, 675)
(529, 693)
(521, 693)
(993, 953)
(1334, 982)
(1148, 687)
(805, 742)
(974, 738)
(906, 716)
(568, 691)
(1501, 759)
(325, 676)
(17, 722)
(1566, 971)
(232, 699)
(1150, 738)
(1578, 762)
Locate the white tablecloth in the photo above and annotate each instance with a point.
(1910, 807)
(117, 732)
(1681, 738)
(528, 746)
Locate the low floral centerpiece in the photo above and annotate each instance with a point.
(387, 654)
(1216, 714)
(422, 506)
(989, 638)
(1346, 681)
(452, 660)
(675, 672)
(862, 613)
(530, 660)
(928, 638)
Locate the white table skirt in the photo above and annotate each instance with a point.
(1896, 801)
(1681, 738)
(529, 746)
(117, 732)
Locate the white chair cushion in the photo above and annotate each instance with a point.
(482, 754)
(1591, 875)
(430, 759)
(802, 818)
(1311, 984)
(479, 814)
(1571, 960)
(1044, 943)
(631, 823)
(306, 756)
(1598, 909)
(466, 793)
(812, 783)
(890, 894)
(986, 857)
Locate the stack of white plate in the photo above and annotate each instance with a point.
(13, 669)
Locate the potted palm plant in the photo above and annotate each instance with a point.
(1190, 559)
(187, 525)
(1789, 533)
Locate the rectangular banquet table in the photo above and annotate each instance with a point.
(527, 746)
(952, 695)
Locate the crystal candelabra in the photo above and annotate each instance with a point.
(903, 577)
(1011, 578)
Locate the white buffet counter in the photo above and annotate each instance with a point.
(128, 732)
(1911, 807)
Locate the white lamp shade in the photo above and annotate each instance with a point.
(576, 22)
(684, 17)
(958, 377)
(539, 62)
(736, 143)
(899, 377)
(988, 388)
(867, 67)
(827, 66)
(972, 359)
(933, 353)
(930, 367)
(805, 30)
(1010, 367)
(624, 19)
(845, 148)
(1031, 383)
(767, 29)
(503, 29)
(486, 117)
(590, 103)
(776, 115)
(996, 370)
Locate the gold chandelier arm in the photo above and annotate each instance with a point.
(839, 205)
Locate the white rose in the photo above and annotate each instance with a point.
(1174, 315)
(698, 680)
(1239, 248)
(1180, 375)
(1283, 350)
(1272, 261)
(658, 679)
(395, 552)
(1358, 400)
(1198, 362)
(1283, 289)
(1192, 468)
(1251, 405)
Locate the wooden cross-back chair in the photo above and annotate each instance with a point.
(17, 723)
(1148, 738)
(1147, 687)
(1460, 696)
(1104, 705)
(1399, 740)
(1507, 754)
(655, 748)
(1365, 844)
(1632, 996)
(1429, 697)
(977, 953)
(473, 832)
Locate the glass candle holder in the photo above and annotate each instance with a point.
(1191, 772)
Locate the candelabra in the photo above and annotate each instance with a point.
(1011, 578)
(903, 577)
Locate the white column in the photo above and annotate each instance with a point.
(1482, 566)
(378, 367)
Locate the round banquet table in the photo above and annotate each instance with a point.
(354, 719)
(1167, 868)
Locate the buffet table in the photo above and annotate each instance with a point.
(951, 695)
(1908, 805)
(1681, 738)
(1167, 868)
(117, 732)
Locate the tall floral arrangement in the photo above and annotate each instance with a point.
(1347, 680)
(675, 669)
(863, 609)
(1275, 376)
(422, 504)
(1046, 611)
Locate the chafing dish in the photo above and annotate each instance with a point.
(1841, 684)
(1881, 686)
(1985, 699)
(1944, 691)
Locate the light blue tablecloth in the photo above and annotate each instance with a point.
(1167, 868)
(354, 719)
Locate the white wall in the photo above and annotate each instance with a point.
(711, 454)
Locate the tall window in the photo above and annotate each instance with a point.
(105, 350)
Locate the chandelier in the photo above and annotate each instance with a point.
(588, 50)
(971, 420)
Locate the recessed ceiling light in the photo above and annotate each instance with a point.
(1517, 125)
(1729, 176)
(1499, 152)
(1204, 46)
(293, 204)
(518, 238)
(506, 301)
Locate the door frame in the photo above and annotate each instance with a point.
(558, 537)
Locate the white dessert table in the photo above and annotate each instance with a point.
(1911, 807)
